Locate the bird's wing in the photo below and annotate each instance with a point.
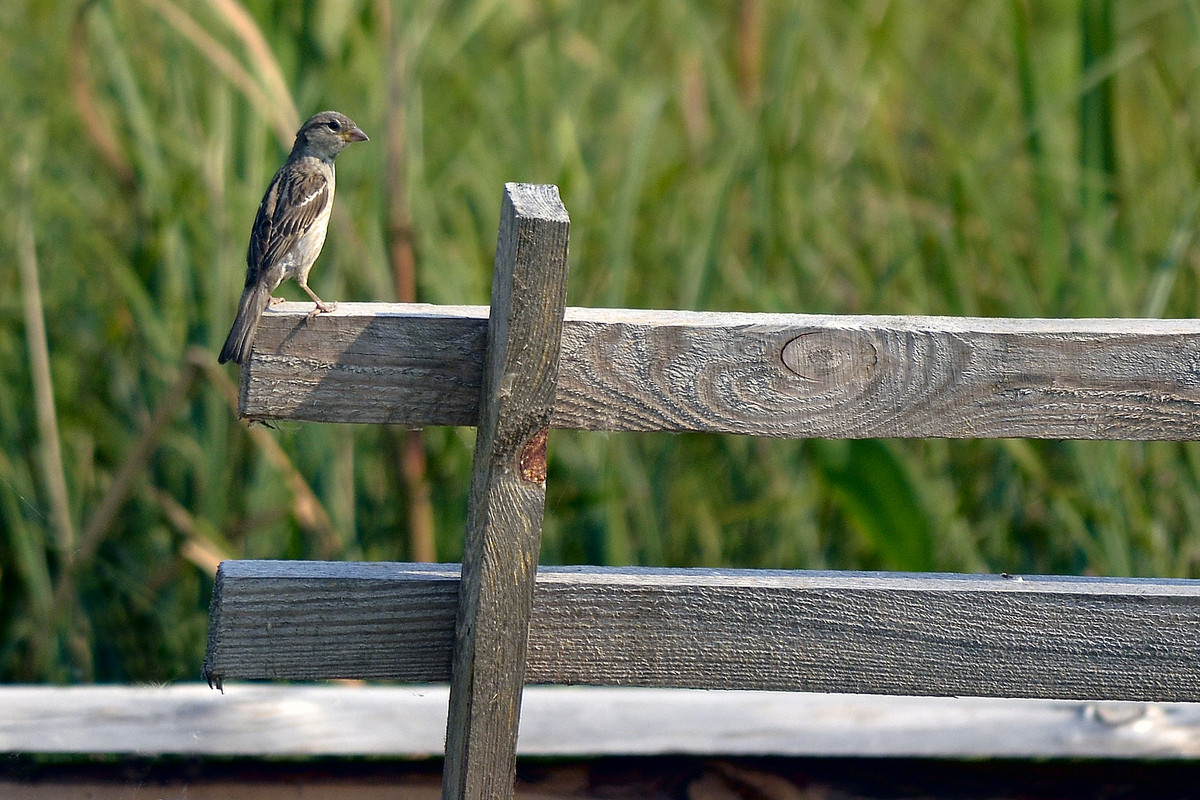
(294, 201)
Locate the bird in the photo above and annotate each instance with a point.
(289, 229)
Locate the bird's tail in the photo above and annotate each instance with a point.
(250, 307)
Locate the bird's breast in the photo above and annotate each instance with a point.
(308, 245)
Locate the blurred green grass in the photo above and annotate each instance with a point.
(993, 158)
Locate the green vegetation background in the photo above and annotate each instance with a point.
(934, 157)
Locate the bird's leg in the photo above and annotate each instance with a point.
(322, 306)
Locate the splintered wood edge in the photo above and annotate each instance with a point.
(877, 633)
(782, 375)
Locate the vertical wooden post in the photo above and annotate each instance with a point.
(508, 494)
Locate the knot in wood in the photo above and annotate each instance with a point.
(831, 356)
(533, 458)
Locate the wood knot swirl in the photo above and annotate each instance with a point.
(831, 356)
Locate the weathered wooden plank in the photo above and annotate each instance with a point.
(578, 721)
(405, 364)
(277, 620)
(881, 633)
(508, 494)
(789, 375)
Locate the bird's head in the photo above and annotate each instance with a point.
(324, 135)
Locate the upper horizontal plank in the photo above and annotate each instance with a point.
(878, 633)
(786, 375)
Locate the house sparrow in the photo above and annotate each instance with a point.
(289, 230)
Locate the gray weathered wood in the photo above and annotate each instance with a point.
(581, 722)
(508, 494)
(276, 619)
(790, 375)
(914, 634)
(405, 364)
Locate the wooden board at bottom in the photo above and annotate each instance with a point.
(274, 721)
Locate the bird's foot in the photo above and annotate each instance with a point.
(274, 301)
(321, 308)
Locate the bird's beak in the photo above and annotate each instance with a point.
(355, 135)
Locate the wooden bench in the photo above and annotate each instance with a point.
(526, 364)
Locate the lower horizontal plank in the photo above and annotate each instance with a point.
(564, 722)
(878, 633)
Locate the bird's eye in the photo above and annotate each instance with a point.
(334, 125)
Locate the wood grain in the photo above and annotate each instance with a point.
(786, 375)
(508, 494)
(880, 633)
(404, 364)
(273, 616)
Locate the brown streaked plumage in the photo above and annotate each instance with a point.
(290, 227)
